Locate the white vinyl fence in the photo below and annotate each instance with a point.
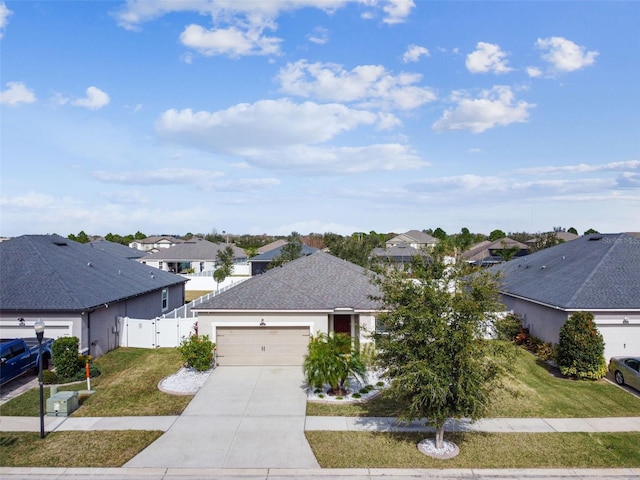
(156, 332)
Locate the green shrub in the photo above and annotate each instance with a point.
(356, 395)
(331, 360)
(49, 377)
(580, 351)
(65, 356)
(508, 327)
(197, 352)
(545, 351)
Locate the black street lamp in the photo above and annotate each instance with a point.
(39, 328)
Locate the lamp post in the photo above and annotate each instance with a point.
(39, 328)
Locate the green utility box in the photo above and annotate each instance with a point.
(62, 404)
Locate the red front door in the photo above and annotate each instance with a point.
(342, 324)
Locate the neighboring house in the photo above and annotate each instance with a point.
(488, 253)
(268, 319)
(78, 290)
(197, 254)
(117, 249)
(260, 263)
(400, 254)
(594, 273)
(155, 243)
(561, 236)
(273, 245)
(413, 238)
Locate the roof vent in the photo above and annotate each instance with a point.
(89, 264)
(543, 267)
(595, 238)
(60, 243)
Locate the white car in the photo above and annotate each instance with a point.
(626, 370)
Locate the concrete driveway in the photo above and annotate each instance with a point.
(243, 417)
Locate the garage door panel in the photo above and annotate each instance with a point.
(261, 345)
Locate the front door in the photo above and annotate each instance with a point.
(342, 324)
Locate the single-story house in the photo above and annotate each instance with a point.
(197, 254)
(560, 236)
(78, 290)
(260, 263)
(488, 253)
(413, 238)
(594, 273)
(270, 246)
(400, 254)
(268, 319)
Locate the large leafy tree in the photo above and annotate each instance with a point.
(432, 342)
(496, 235)
(289, 252)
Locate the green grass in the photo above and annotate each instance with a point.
(127, 386)
(533, 390)
(191, 295)
(73, 449)
(478, 450)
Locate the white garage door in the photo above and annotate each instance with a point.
(620, 340)
(261, 345)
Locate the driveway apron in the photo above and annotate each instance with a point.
(242, 417)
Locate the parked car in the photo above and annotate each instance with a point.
(626, 370)
(19, 355)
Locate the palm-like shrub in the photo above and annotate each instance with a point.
(581, 348)
(331, 360)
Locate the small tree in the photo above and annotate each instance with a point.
(432, 341)
(331, 360)
(289, 252)
(197, 352)
(581, 348)
(224, 259)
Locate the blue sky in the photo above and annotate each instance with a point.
(318, 116)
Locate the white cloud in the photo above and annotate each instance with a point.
(487, 57)
(161, 176)
(320, 36)
(563, 55)
(238, 27)
(369, 85)
(583, 168)
(94, 100)
(534, 72)
(15, 93)
(397, 11)
(495, 107)
(414, 52)
(229, 41)
(466, 183)
(126, 197)
(4, 17)
(337, 160)
(264, 124)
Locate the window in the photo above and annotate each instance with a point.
(165, 299)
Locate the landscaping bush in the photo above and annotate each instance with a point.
(197, 352)
(580, 351)
(508, 327)
(65, 356)
(49, 377)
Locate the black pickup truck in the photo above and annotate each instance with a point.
(19, 355)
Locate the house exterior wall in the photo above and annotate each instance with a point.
(56, 324)
(543, 322)
(619, 329)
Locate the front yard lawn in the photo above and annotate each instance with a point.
(478, 450)
(539, 393)
(127, 386)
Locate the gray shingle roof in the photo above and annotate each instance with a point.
(273, 253)
(52, 273)
(317, 282)
(196, 249)
(116, 248)
(591, 272)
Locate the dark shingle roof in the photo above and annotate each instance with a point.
(273, 253)
(317, 282)
(52, 273)
(117, 249)
(399, 253)
(591, 272)
(194, 250)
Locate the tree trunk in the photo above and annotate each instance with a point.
(440, 436)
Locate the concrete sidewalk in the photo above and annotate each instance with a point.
(362, 424)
